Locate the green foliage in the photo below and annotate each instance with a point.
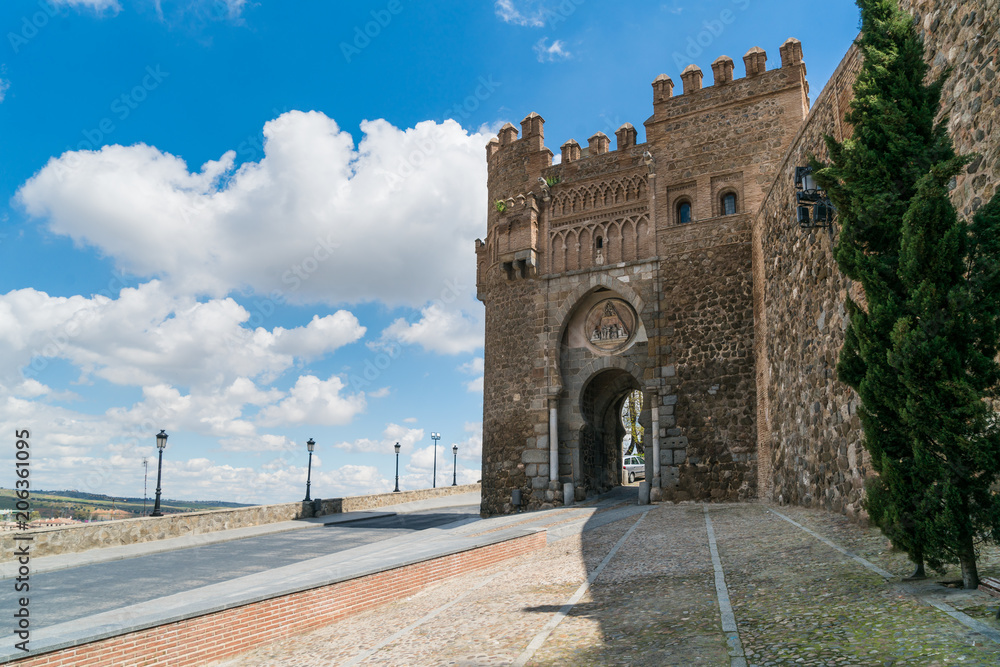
(631, 409)
(553, 180)
(920, 352)
(871, 180)
(945, 349)
(501, 205)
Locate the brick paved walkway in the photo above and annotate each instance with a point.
(795, 599)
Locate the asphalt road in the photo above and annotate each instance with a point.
(65, 595)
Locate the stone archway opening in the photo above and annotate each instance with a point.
(602, 403)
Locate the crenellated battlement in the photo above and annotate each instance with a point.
(694, 97)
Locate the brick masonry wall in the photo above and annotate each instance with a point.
(808, 433)
(224, 634)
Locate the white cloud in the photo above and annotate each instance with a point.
(314, 401)
(148, 337)
(438, 330)
(509, 13)
(474, 367)
(4, 86)
(393, 433)
(214, 413)
(96, 5)
(411, 420)
(316, 220)
(260, 443)
(235, 7)
(472, 447)
(420, 468)
(202, 478)
(551, 52)
(199, 10)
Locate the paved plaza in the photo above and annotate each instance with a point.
(803, 587)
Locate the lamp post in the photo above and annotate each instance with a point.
(161, 444)
(145, 475)
(435, 437)
(454, 470)
(310, 445)
(396, 490)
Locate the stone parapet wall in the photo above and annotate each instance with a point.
(375, 501)
(83, 537)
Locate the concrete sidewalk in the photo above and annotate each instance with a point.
(681, 585)
(93, 556)
(395, 546)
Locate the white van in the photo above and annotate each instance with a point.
(633, 468)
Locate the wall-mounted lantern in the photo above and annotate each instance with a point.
(814, 208)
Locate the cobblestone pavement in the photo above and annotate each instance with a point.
(796, 601)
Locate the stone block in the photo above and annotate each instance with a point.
(531, 469)
(538, 483)
(535, 456)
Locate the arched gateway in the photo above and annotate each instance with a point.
(595, 287)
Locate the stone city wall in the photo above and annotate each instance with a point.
(809, 436)
(809, 440)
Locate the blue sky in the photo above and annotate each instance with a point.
(252, 223)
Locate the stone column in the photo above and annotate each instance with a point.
(655, 440)
(553, 441)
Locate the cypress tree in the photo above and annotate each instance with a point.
(921, 351)
(945, 349)
(872, 178)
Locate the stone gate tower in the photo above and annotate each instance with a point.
(618, 270)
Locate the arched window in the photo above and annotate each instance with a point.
(729, 204)
(600, 242)
(683, 212)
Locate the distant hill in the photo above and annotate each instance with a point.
(100, 496)
(80, 505)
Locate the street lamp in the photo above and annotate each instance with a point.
(310, 445)
(813, 207)
(396, 490)
(454, 470)
(435, 437)
(161, 444)
(145, 475)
